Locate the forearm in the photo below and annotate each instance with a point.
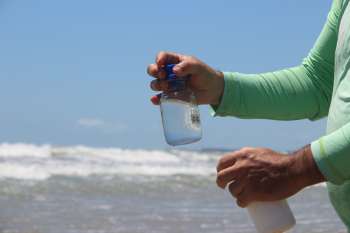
(305, 168)
(326, 159)
(288, 94)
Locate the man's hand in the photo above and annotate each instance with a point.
(206, 83)
(259, 174)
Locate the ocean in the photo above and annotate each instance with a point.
(79, 189)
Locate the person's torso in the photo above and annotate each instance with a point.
(339, 112)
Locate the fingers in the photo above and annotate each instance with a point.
(226, 171)
(187, 67)
(164, 58)
(228, 175)
(152, 70)
(227, 160)
(231, 158)
(159, 85)
(155, 71)
(236, 187)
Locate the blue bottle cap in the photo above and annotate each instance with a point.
(175, 83)
(170, 72)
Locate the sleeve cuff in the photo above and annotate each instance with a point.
(324, 165)
(228, 98)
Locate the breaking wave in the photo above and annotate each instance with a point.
(38, 162)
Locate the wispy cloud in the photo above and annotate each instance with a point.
(91, 122)
(100, 124)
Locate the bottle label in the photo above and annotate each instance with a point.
(195, 118)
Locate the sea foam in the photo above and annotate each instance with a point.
(39, 162)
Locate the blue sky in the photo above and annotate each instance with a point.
(73, 72)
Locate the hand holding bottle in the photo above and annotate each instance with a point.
(260, 179)
(261, 174)
(206, 83)
(179, 110)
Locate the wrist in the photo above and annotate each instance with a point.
(305, 168)
(219, 84)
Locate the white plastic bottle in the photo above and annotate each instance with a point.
(271, 217)
(180, 113)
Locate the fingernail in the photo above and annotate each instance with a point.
(155, 85)
(155, 99)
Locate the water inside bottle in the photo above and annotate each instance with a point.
(181, 122)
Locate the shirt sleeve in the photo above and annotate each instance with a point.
(331, 154)
(290, 94)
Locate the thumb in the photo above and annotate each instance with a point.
(185, 68)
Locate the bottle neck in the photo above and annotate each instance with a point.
(177, 85)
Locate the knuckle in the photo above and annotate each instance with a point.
(219, 181)
(192, 58)
(182, 66)
(221, 160)
(228, 156)
(160, 55)
(187, 64)
(246, 149)
(192, 62)
(250, 177)
(151, 70)
(220, 163)
(220, 177)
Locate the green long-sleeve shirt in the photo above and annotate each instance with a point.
(320, 86)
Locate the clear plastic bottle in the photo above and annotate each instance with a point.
(180, 113)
